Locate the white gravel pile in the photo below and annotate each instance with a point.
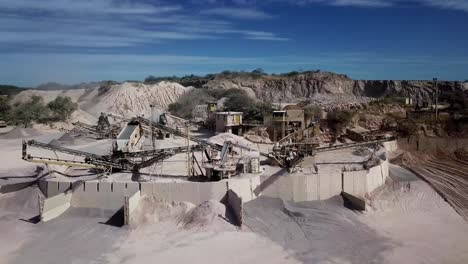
(19, 132)
(338, 101)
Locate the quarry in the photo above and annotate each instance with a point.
(318, 169)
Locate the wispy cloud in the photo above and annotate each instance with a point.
(31, 24)
(445, 4)
(237, 12)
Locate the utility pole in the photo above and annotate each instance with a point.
(152, 128)
(189, 158)
(436, 86)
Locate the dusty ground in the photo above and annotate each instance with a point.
(401, 226)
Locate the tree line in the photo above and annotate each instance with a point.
(36, 110)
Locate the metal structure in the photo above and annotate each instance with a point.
(289, 155)
(132, 161)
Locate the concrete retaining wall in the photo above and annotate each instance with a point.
(104, 195)
(360, 183)
(355, 182)
(194, 192)
(111, 195)
(300, 188)
(391, 146)
(234, 202)
(130, 204)
(53, 207)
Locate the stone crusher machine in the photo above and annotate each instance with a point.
(103, 129)
(291, 154)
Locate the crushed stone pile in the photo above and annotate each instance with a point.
(330, 102)
(221, 138)
(65, 139)
(206, 214)
(151, 210)
(258, 135)
(210, 214)
(127, 99)
(20, 132)
(131, 99)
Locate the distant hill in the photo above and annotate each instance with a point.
(11, 90)
(53, 86)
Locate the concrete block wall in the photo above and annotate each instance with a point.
(242, 187)
(104, 195)
(355, 182)
(194, 192)
(391, 146)
(360, 183)
(130, 204)
(300, 188)
(53, 207)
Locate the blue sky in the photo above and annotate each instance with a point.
(71, 41)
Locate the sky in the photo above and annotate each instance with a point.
(73, 41)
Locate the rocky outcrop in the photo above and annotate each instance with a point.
(304, 85)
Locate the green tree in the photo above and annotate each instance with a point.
(32, 110)
(5, 106)
(313, 112)
(62, 108)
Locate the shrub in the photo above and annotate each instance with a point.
(32, 110)
(186, 103)
(62, 108)
(312, 112)
(341, 118)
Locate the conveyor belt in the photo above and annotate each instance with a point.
(151, 161)
(75, 152)
(352, 145)
(156, 152)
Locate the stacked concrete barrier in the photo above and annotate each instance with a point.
(53, 207)
(242, 187)
(130, 204)
(104, 195)
(300, 188)
(194, 192)
(360, 183)
(355, 182)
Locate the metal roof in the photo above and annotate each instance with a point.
(127, 132)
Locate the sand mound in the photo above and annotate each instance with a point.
(210, 214)
(130, 99)
(126, 99)
(206, 214)
(22, 201)
(19, 132)
(258, 139)
(67, 138)
(50, 95)
(152, 210)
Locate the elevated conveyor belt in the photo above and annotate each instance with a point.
(156, 152)
(75, 152)
(352, 145)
